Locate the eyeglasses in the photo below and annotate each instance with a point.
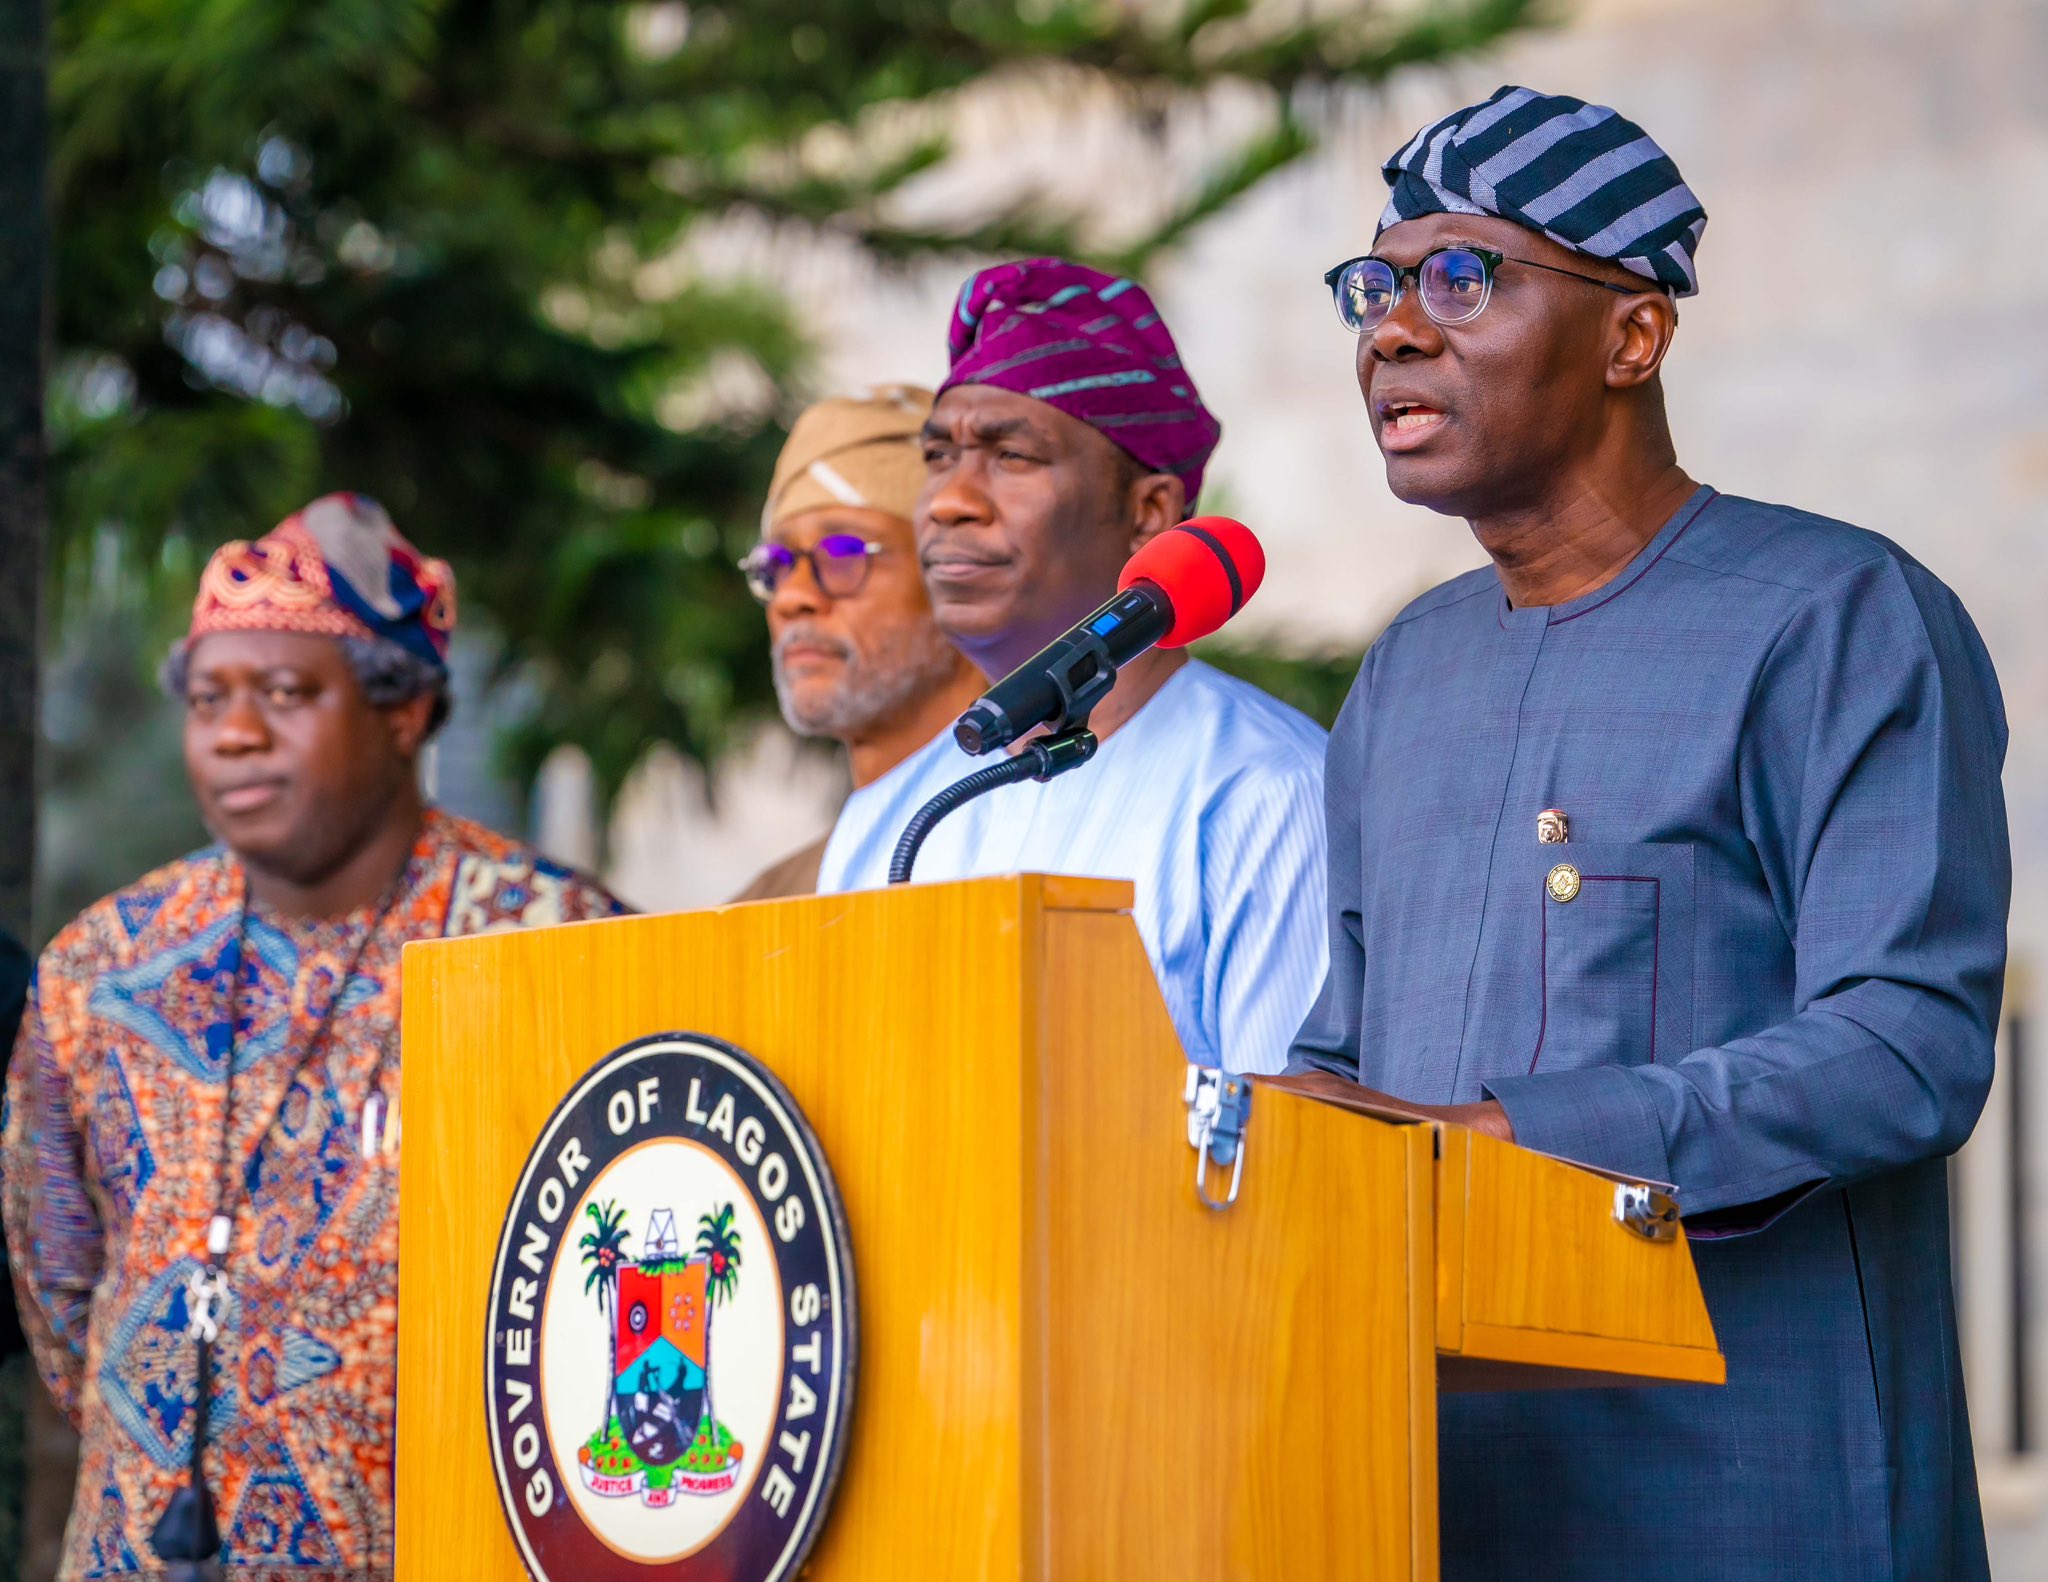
(838, 561)
(1455, 284)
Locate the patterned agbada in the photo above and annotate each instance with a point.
(111, 1152)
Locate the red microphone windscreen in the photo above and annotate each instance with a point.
(1207, 567)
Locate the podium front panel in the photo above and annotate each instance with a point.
(1067, 1367)
(903, 1084)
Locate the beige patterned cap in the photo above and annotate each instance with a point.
(859, 450)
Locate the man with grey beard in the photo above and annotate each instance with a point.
(857, 655)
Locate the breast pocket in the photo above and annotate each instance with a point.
(1617, 941)
(1423, 901)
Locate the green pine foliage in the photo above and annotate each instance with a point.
(426, 249)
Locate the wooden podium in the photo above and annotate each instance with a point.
(1068, 1367)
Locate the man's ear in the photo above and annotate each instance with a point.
(1158, 500)
(410, 723)
(1642, 335)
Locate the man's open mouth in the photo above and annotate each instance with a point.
(1403, 416)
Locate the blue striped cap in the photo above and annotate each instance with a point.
(1587, 178)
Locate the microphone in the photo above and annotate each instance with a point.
(1180, 587)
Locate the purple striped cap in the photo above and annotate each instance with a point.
(1092, 345)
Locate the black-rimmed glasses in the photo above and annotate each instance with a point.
(1454, 283)
(838, 561)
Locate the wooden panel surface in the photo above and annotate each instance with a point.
(901, 1080)
(1068, 1368)
(1238, 1395)
(1453, 1149)
(1542, 1275)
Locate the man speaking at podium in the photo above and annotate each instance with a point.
(202, 1128)
(1066, 435)
(1673, 843)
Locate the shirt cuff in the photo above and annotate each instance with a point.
(1597, 1116)
(1306, 1062)
(1603, 1116)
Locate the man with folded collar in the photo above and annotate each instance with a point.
(1671, 842)
(1066, 435)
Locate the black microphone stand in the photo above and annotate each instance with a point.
(1069, 748)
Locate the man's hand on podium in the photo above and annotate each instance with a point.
(1485, 1116)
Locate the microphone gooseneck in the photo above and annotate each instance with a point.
(1039, 760)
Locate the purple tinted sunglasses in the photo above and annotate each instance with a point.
(839, 563)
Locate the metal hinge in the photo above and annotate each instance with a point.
(1651, 1214)
(1219, 1109)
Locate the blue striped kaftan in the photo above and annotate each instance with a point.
(1771, 976)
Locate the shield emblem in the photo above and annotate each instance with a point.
(664, 1330)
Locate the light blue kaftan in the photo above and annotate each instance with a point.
(1209, 798)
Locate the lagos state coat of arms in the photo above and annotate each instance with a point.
(659, 1435)
(672, 1325)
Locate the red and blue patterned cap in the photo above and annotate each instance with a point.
(337, 568)
(1093, 346)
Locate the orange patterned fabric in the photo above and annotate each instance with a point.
(111, 1154)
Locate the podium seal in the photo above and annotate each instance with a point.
(670, 1361)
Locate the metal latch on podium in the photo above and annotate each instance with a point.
(1651, 1214)
(1219, 1110)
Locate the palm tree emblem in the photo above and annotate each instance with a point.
(603, 1252)
(718, 1244)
